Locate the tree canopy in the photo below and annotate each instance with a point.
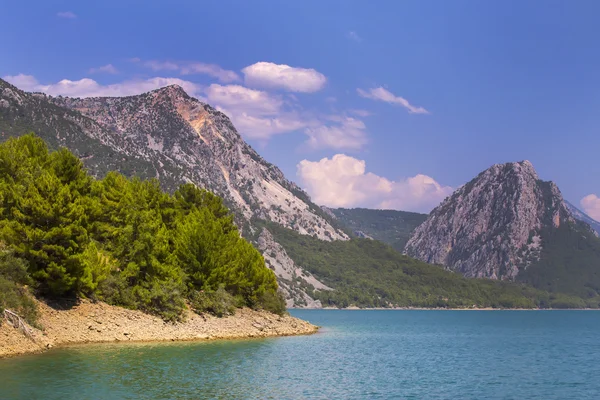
(122, 240)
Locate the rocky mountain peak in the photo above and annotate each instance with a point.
(171, 90)
(187, 140)
(491, 226)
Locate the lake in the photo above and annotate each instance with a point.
(387, 354)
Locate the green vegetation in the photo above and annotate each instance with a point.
(368, 273)
(14, 280)
(389, 226)
(122, 241)
(569, 263)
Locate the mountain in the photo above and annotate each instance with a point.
(389, 226)
(583, 217)
(168, 135)
(508, 224)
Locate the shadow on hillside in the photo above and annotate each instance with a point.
(62, 304)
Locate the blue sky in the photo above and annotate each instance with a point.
(414, 97)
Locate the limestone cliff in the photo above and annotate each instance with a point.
(491, 226)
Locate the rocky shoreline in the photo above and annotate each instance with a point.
(89, 322)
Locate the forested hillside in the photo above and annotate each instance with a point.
(389, 226)
(121, 240)
(368, 273)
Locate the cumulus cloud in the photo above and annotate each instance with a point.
(591, 205)
(381, 94)
(263, 127)
(255, 113)
(24, 82)
(213, 70)
(260, 115)
(239, 97)
(90, 88)
(281, 76)
(66, 14)
(108, 69)
(345, 134)
(342, 181)
(192, 68)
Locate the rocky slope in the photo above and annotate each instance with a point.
(293, 279)
(491, 227)
(168, 135)
(583, 217)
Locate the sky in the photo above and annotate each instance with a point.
(387, 104)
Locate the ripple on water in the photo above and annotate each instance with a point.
(357, 355)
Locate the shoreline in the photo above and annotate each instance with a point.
(92, 323)
(445, 309)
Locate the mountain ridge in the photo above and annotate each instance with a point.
(507, 224)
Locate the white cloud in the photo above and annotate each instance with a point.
(342, 181)
(213, 70)
(260, 115)
(235, 97)
(155, 65)
(360, 113)
(346, 134)
(192, 68)
(591, 205)
(262, 127)
(266, 74)
(24, 82)
(108, 69)
(255, 113)
(90, 88)
(354, 36)
(382, 94)
(66, 14)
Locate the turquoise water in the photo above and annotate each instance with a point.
(357, 355)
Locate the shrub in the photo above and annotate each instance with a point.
(272, 302)
(218, 302)
(14, 294)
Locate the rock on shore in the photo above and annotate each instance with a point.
(90, 322)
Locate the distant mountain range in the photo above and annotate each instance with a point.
(506, 224)
(389, 226)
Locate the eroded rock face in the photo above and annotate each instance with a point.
(490, 226)
(291, 276)
(188, 140)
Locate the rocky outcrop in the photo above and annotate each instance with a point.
(293, 279)
(491, 226)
